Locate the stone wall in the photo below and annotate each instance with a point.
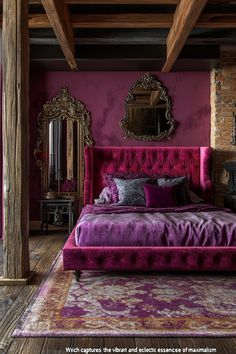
(223, 105)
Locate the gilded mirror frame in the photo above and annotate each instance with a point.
(62, 107)
(149, 82)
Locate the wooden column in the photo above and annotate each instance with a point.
(15, 67)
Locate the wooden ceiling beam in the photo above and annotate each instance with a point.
(93, 21)
(134, 20)
(120, 20)
(216, 20)
(185, 18)
(114, 2)
(59, 19)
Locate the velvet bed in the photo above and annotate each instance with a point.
(172, 161)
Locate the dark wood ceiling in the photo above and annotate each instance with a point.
(131, 35)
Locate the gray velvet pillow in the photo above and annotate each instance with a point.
(182, 190)
(131, 192)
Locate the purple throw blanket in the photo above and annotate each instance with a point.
(190, 225)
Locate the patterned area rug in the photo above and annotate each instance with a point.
(131, 304)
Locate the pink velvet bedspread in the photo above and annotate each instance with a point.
(191, 225)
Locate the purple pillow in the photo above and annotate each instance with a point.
(108, 179)
(105, 197)
(160, 197)
(181, 184)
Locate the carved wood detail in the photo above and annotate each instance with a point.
(149, 83)
(63, 107)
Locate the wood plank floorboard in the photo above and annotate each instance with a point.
(157, 342)
(14, 299)
(88, 342)
(123, 342)
(211, 342)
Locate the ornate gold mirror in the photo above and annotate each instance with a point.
(63, 131)
(148, 111)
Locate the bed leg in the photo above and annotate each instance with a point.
(77, 274)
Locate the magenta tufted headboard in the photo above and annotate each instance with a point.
(171, 161)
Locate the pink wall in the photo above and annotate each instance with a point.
(104, 94)
(1, 157)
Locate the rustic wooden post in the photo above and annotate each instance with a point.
(15, 68)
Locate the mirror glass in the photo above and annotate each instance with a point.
(62, 159)
(148, 111)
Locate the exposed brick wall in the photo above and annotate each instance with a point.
(223, 104)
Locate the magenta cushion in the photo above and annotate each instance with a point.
(160, 197)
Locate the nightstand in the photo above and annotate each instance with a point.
(58, 212)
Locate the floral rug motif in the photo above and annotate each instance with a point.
(131, 304)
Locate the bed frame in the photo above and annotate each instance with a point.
(175, 161)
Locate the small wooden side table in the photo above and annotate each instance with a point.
(57, 212)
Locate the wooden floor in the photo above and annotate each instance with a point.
(14, 300)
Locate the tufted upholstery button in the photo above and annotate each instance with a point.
(168, 258)
(233, 259)
(116, 258)
(200, 260)
(82, 258)
(99, 260)
(133, 258)
(150, 259)
(217, 258)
